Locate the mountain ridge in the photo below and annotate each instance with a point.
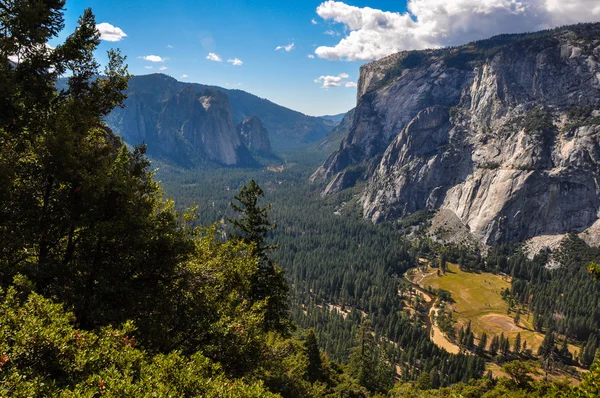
(502, 132)
(287, 128)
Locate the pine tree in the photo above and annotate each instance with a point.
(253, 227)
(494, 346)
(482, 344)
(517, 344)
(314, 370)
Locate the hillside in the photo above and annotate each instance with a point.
(503, 133)
(287, 128)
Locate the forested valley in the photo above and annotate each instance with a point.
(122, 276)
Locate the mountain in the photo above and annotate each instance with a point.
(502, 134)
(332, 141)
(188, 127)
(334, 118)
(147, 94)
(255, 136)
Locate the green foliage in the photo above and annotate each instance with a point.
(42, 354)
(314, 369)
(269, 281)
(538, 120)
(520, 373)
(590, 386)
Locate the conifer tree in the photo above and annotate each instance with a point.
(482, 344)
(314, 370)
(517, 344)
(253, 227)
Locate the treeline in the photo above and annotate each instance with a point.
(564, 300)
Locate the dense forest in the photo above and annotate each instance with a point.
(108, 288)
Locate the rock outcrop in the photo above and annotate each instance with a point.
(503, 132)
(256, 137)
(147, 95)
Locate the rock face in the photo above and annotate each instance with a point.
(255, 137)
(503, 132)
(147, 96)
(187, 128)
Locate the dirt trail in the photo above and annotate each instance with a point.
(435, 333)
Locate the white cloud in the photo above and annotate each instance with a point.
(214, 57)
(163, 68)
(331, 32)
(311, 56)
(153, 58)
(235, 62)
(351, 84)
(109, 32)
(148, 67)
(313, 21)
(333, 81)
(287, 48)
(184, 76)
(170, 46)
(373, 34)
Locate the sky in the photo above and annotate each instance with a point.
(301, 54)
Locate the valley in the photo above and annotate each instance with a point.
(163, 237)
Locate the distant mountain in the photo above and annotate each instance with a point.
(256, 137)
(187, 128)
(147, 94)
(334, 118)
(332, 141)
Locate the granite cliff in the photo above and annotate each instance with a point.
(502, 134)
(146, 118)
(256, 137)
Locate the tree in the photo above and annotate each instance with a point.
(494, 346)
(517, 344)
(520, 373)
(314, 370)
(80, 214)
(253, 227)
(594, 270)
(517, 317)
(482, 344)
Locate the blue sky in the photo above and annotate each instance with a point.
(247, 30)
(331, 39)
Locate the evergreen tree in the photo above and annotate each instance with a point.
(269, 284)
(314, 370)
(494, 346)
(517, 344)
(482, 344)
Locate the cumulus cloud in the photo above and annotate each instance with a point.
(311, 56)
(163, 68)
(153, 58)
(351, 84)
(287, 48)
(214, 57)
(109, 32)
(373, 33)
(313, 21)
(170, 46)
(334, 81)
(235, 62)
(184, 76)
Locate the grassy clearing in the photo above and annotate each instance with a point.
(478, 299)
